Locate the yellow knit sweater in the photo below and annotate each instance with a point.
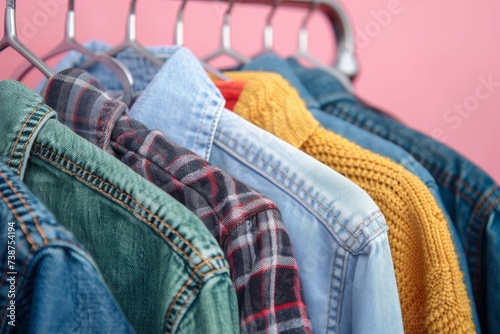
(431, 289)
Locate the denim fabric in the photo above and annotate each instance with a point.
(55, 286)
(469, 195)
(247, 226)
(273, 63)
(159, 261)
(338, 234)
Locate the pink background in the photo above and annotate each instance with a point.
(421, 61)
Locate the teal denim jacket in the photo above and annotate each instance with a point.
(43, 270)
(162, 265)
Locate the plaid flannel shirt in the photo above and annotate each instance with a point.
(247, 225)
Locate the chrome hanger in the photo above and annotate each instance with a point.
(268, 29)
(303, 52)
(10, 39)
(225, 48)
(179, 25)
(179, 41)
(69, 43)
(345, 61)
(131, 40)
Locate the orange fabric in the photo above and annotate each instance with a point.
(231, 90)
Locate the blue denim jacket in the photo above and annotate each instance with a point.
(273, 63)
(338, 234)
(469, 195)
(49, 283)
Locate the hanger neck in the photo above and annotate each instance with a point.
(10, 39)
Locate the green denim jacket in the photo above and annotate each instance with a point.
(161, 263)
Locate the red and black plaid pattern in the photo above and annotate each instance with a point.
(247, 225)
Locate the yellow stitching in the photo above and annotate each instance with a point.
(26, 144)
(22, 129)
(195, 268)
(23, 227)
(184, 287)
(187, 300)
(28, 207)
(184, 305)
(134, 212)
(134, 201)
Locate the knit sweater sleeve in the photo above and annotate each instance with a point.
(432, 292)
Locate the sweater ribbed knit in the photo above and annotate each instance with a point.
(430, 284)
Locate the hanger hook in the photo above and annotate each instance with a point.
(179, 25)
(303, 32)
(132, 22)
(70, 20)
(226, 27)
(268, 29)
(10, 39)
(133, 6)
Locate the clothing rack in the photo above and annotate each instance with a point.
(345, 61)
(10, 39)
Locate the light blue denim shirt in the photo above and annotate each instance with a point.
(338, 233)
(273, 63)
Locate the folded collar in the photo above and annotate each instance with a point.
(83, 105)
(180, 94)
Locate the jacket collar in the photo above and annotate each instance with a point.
(83, 105)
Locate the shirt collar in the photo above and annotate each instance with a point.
(83, 105)
(182, 95)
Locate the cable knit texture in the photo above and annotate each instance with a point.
(430, 284)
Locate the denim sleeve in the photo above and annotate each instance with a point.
(370, 302)
(208, 310)
(49, 283)
(64, 293)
